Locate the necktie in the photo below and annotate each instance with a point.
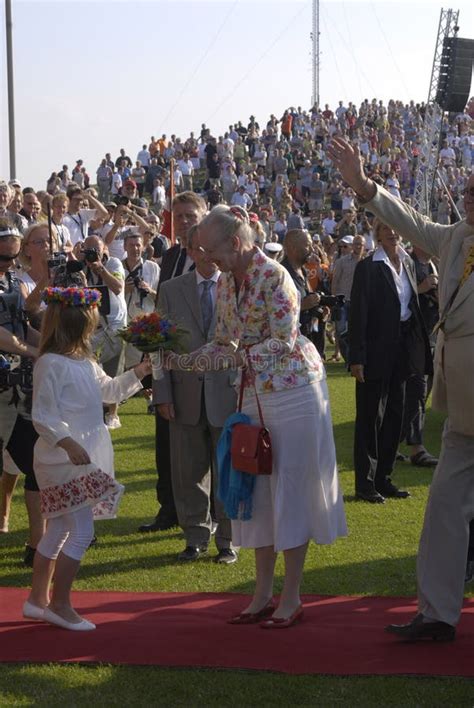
(180, 263)
(468, 266)
(206, 304)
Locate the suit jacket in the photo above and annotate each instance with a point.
(168, 263)
(453, 386)
(179, 298)
(374, 322)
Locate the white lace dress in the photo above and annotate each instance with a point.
(67, 402)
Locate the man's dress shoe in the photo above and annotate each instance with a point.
(390, 491)
(373, 497)
(417, 630)
(158, 525)
(192, 553)
(226, 556)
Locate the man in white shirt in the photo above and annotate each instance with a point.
(141, 284)
(143, 156)
(102, 270)
(329, 223)
(187, 170)
(77, 219)
(387, 343)
(117, 181)
(113, 234)
(447, 155)
(241, 198)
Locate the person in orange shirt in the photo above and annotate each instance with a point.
(153, 147)
(162, 144)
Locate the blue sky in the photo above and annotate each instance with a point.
(91, 77)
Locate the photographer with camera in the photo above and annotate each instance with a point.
(352, 251)
(18, 343)
(78, 218)
(124, 217)
(35, 275)
(298, 247)
(104, 271)
(141, 283)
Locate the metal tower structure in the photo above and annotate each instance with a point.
(428, 158)
(315, 54)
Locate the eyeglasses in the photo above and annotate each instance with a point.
(9, 258)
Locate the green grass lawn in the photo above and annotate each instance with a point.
(377, 558)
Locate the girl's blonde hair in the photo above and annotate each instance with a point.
(67, 330)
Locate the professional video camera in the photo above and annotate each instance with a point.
(64, 273)
(21, 376)
(335, 302)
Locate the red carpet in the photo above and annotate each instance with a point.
(339, 635)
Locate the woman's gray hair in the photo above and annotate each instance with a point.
(4, 187)
(228, 221)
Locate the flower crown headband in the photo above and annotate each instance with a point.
(72, 297)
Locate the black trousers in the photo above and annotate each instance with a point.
(20, 446)
(379, 416)
(470, 550)
(164, 487)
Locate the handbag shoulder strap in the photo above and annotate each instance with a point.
(248, 367)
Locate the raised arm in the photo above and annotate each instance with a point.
(402, 218)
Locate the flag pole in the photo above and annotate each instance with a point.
(172, 193)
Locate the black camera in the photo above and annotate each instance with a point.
(141, 291)
(21, 377)
(332, 300)
(57, 260)
(91, 255)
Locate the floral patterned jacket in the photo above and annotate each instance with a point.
(263, 318)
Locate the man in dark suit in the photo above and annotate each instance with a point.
(387, 343)
(196, 406)
(188, 210)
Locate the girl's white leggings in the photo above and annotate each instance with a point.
(70, 533)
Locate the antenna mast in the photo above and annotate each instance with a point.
(315, 54)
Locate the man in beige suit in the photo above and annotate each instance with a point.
(197, 406)
(444, 540)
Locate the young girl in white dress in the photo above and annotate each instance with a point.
(73, 456)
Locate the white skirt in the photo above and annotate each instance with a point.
(301, 499)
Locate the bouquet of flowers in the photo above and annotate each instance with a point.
(153, 333)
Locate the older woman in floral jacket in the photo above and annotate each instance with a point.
(257, 324)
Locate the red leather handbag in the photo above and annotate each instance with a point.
(251, 445)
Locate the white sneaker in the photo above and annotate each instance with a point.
(112, 422)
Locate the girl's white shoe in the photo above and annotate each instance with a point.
(32, 612)
(53, 618)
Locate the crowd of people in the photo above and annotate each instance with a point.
(274, 255)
